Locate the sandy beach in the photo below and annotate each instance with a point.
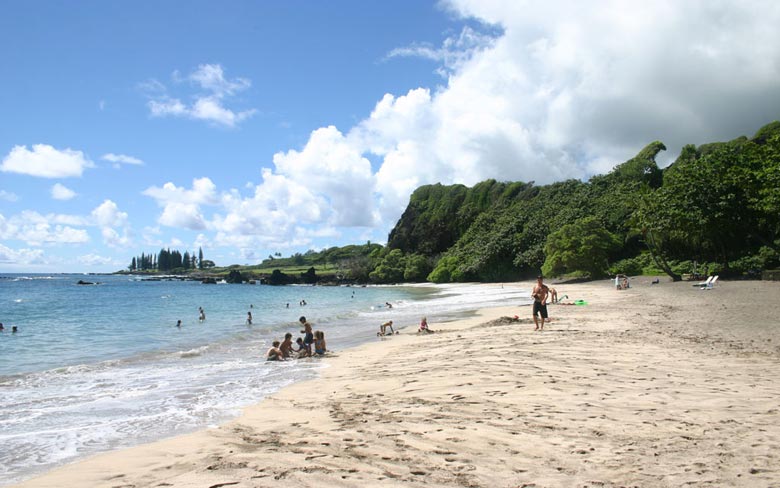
(658, 385)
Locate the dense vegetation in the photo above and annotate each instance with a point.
(716, 205)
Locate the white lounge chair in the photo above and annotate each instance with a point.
(705, 283)
(711, 283)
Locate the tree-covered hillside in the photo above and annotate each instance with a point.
(716, 205)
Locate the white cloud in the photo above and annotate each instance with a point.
(119, 159)
(61, 192)
(21, 256)
(577, 84)
(96, 260)
(182, 215)
(209, 101)
(211, 77)
(68, 219)
(114, 239)
(166, 106)
(8, 196)
(334, 173)
(452, 54)
(108, 217)
(107, 214)
(36, 229)
(45, 161)
(203, 191)
(181, 207)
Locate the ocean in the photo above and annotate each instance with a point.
(99, 367)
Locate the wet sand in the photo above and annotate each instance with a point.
(658, 385)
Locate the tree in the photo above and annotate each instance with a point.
(417, 268)
(200, 257)
(390, 268)
(581, 247)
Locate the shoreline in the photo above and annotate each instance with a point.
(612, 394)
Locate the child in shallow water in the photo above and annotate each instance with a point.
(302, 353)
(383, 328)
(308, 337)
(319, 343)
(274, 353)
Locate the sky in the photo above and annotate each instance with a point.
(249, 128)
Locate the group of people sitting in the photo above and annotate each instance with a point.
(311, 344)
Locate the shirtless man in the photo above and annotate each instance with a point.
(539, 294)
(286, 345)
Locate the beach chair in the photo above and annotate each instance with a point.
(703, 284)
(711, 283)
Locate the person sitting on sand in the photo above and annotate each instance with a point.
(308, 338)
(383, 328)
(424, 326)
(274, 353)
(319, 343)
(286, 345)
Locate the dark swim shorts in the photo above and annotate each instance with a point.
(540, 309)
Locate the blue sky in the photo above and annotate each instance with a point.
(249, 128)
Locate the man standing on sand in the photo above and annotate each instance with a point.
(539, 294)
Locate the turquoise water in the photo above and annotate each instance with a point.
(98, 367)
(62, 323)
